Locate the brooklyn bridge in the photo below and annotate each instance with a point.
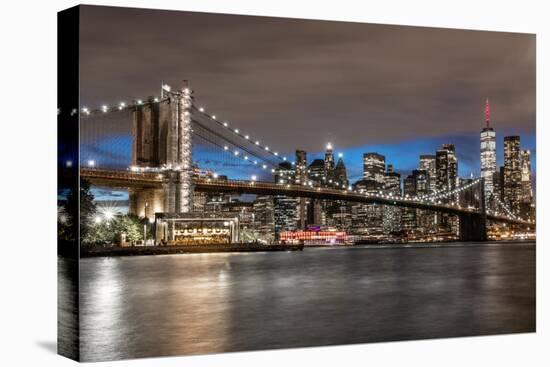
(164, 168)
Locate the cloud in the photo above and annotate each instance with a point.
(297, 84)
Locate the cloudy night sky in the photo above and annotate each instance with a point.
(297, 84)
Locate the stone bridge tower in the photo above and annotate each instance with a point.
(162, 139)
(473, 226)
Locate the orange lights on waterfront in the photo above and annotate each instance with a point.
(314, 236)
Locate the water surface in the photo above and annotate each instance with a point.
(207, 303)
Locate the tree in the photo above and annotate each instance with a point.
(78, 201)
(130, 225)
(109, 231)
(85, 207)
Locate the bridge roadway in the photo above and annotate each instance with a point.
(127, 178)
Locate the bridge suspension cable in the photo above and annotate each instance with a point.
(237, 132)
(443, 194)
(503, 206)
(249, 157)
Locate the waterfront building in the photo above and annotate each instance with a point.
(447, 169)
(392, 181)
(329, 163)
(285, 208)
(317, 177)
(340, 173)
(214, 202)
(512, 173)
(316, 173)
(367, 218)
(488, 151)
(447, 180)
(338, 211)
(391, 219)
(420, 182)
(301, 167)
(526, 200)
(244, 210)
(263, 217)
(408, 215)
(427, 163)
(301, 179)
(374, 167)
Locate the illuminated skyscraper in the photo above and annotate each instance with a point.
(301, 166)
(301, 179)
(392, 181)
(447, 180)
(526, 199)
(392, 215)
(317, 176)
(512, 173)
(329, 162)
(447, 169)
(374, 167)
(488, 152)
(316, 173)
(340, 173)
(427, 163)
(285, 215)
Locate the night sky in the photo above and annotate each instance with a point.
(297, 84)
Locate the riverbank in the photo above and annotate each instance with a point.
(245, 247)
(187, 249)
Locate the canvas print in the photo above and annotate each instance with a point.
(234, 183)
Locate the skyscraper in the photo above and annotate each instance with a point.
(340, 173)
(427, 163)
(392, 215)
(317, 176)
(526, 199)
(284, 207)
(301, 179)
(374, 166)
(329, 163)
(316, 172)
(488, 153)
(447, 168)
(339, 211)
(447, 180)
(263, 217)
(512, 173)
(392, 181)
(428, 219)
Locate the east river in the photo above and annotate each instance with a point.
(207, 303)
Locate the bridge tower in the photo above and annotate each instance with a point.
(162, 139)
(473, 226)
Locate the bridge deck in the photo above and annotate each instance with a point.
(128, 178)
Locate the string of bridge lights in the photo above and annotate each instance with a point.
(103, 109)
(85, 111)
(503, 206)
(440, 194)
(238, 133)
(236, 153)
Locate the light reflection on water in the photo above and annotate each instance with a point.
(206, 303)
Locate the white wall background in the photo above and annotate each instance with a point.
(28, 182)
